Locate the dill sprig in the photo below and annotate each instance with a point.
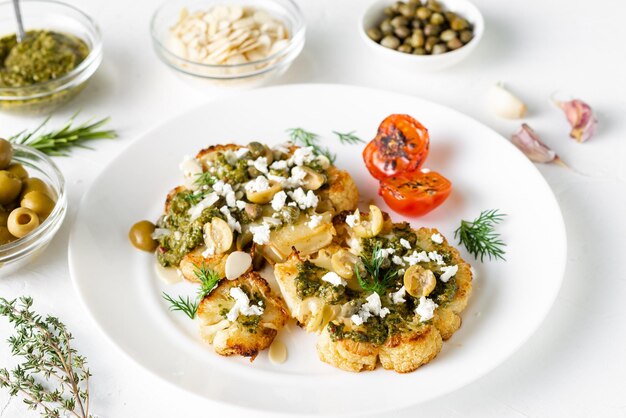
(209, 280)
(310, 139)
(377, 279)
(186, 305)
(205, 179)
(53, 378)
(479, 237)
(348, 138)
(58, 142)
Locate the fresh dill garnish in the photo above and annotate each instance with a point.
(377, 279)
(205, 179)
(208, 280)
(186, 306)
(310, 139)
(58, 142)
(348, 138)
(479, 237)
(193, 198)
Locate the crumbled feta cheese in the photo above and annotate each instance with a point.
(278, 201)
(304, 200)
(297, 175)
(230, 220)
(260, 233)
(436, 257)
(160, 233)
(406, 244)
(448, 273)
(436, 238)
(314, 221)
(283, 181)
(242, 305)
(334, 279)
(294, 204)
(279, 165)
(356, 319)
(258, 184)
(190, 166)
(384, 312)
(231, 200)
(397, 260)
(178, 235)
(398, 297)
(373, 306)
(210, 251)
(240, 204)
(385, 252)
(416, 257)
(283, 148)
(302, 156)
(260, 164)
(353, 219)
(239, 153)
(426, 309)
(218, 187)
(196, 210)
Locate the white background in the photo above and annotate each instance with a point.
(574, 366)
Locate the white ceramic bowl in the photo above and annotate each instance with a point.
(374, 14)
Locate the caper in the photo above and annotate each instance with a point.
(390, 41)
(6, 153)
(435, 6)
(459, 24)
(375, 34)
(388, 11)
(430, 42)
(450, 16)
(415, 2)
(448, 35)
(396, 6)
(407, 10)
(419, 51)
(417, 39)
(439, 49)
(386, 28)
(432, 30)
(290, 214)
(423, 13)
(437, 19)
(10, 187)
(416, 24)
(402, 32)
(38, 202)
(253, 211)
(466, 36)
(405, 48)
(19, 170)
(454, 43)
(256, 149)
(140, 236)
(5, 235)
(399, 21)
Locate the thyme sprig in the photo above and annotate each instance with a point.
(209, 280)
(58, 142)
(377, 278)
(53, 378)
(310, 139)
(479, 236)
(349, 138)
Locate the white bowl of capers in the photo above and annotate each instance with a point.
(422, 35)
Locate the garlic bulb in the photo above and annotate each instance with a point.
(504, 103)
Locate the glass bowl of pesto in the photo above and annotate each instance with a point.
(16, 254)
(61, 51)
(246, 43)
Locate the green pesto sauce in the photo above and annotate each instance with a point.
(42, 56)
(308, 283)
(228, 173)
(249, 322)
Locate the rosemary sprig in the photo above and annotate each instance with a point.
(208, 281)
(348, 138)
(310, 139)
(58, 142)
(53, 378)
(377, 279)
(479, 237)
(186, 306)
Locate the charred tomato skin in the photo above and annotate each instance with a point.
(415, 194)
(400, 146)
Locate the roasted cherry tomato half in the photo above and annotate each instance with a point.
(415, 194)
(401, 145)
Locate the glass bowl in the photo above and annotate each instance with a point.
(17, 254)
(60, 17)
(247, 75)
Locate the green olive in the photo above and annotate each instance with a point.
(22, 221)
(32, 184)
(38, 202)
(10, 187)
(5, 235)
(4, 216)
(19, 170)
(6, 153)
(140, 236)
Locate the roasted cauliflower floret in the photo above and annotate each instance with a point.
(192, 261)
(241, 316)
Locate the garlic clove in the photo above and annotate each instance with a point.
(504, 103)
(581, 118)
(532, 146)
(237, 263)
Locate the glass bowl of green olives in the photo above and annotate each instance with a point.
(422, 35)
(33, 204)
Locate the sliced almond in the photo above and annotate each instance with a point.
(237, 264)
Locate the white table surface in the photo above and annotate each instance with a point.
(574, 366)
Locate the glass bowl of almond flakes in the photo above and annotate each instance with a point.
(237, 43)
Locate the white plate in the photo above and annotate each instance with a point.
(510, 299)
